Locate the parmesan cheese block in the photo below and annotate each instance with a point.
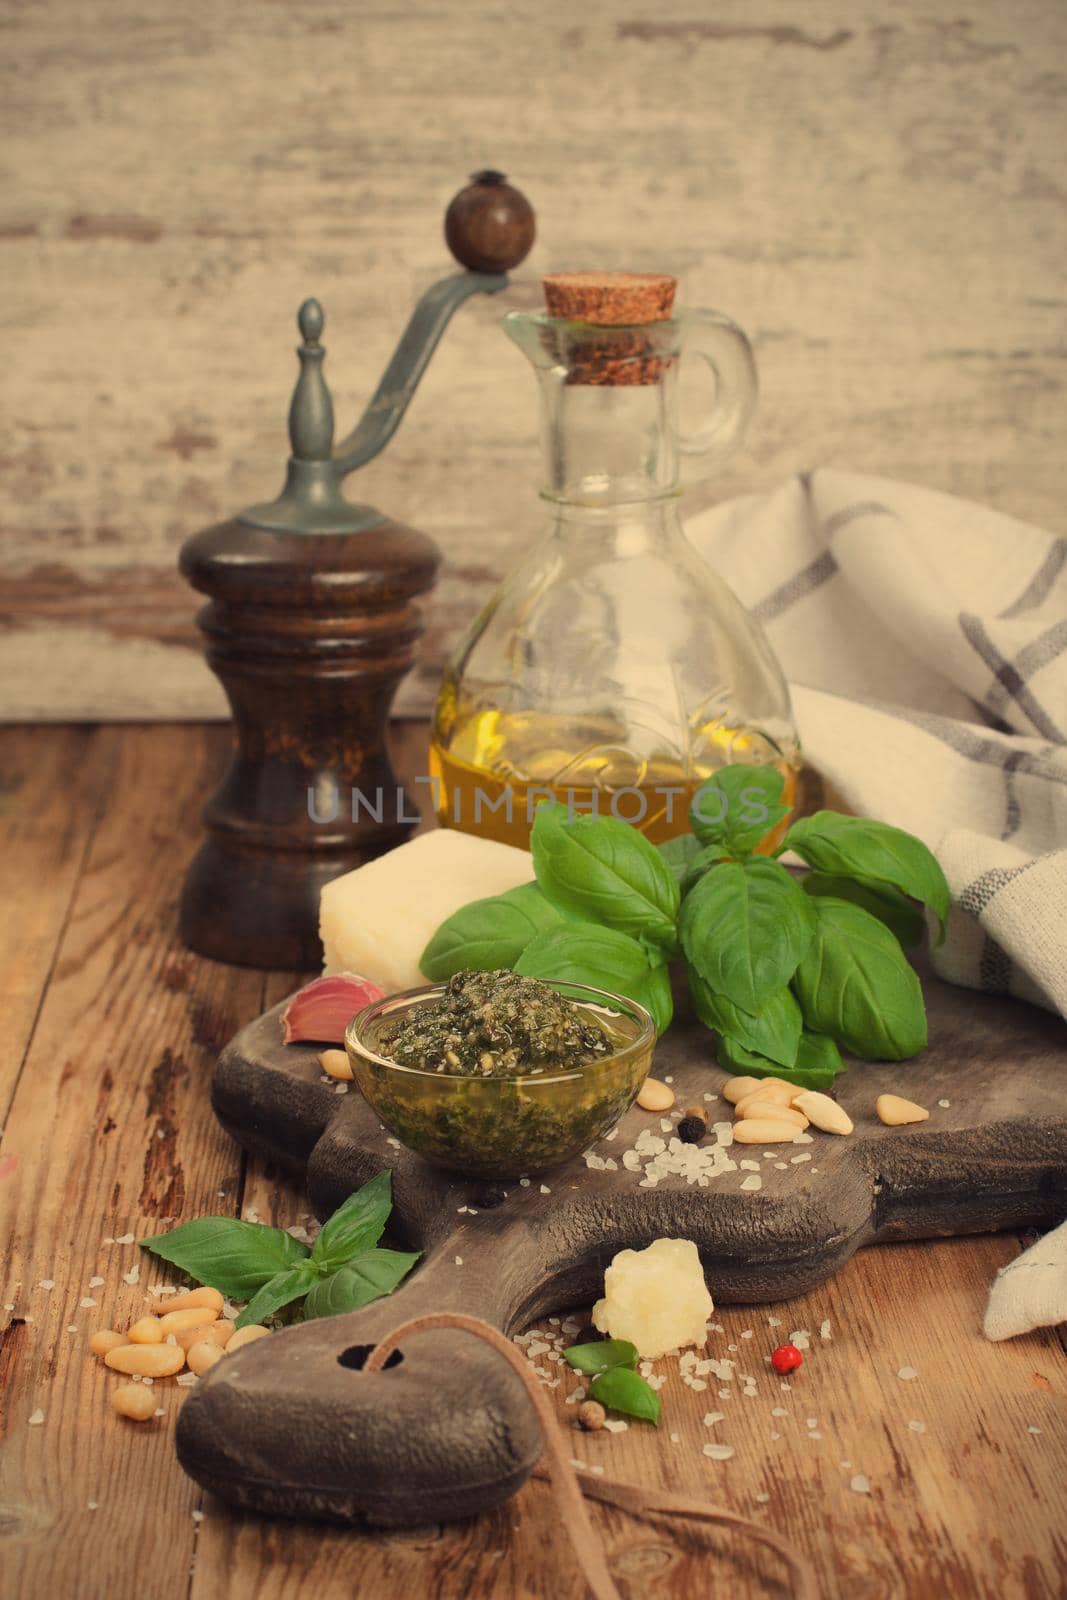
(378, 919)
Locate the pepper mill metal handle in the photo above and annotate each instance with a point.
(312, 619)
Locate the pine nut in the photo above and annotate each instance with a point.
(246, 1335)
(218, 1333)
(105, 1339)
(894, 1111)
(190, 1317)
(765, 1130)
(776, 1090)
(146, 1330)
(133, 1400)
(203, 1355)
(757, 1107)
(146, 1360)
(737, 1089)
(655, 1096)
(335, 1064)
(166, 1303)
(823, 1112)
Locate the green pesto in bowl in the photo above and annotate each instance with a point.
(496, 1076)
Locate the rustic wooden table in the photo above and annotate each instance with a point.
(947, 1484)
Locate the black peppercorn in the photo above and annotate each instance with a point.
(691, 1128)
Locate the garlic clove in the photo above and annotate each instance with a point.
(322, 1009)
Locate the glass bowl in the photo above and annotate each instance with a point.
(503, 1127)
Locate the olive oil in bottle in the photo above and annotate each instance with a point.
(491, 770)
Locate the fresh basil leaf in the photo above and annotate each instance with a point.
(774, 1032)
(862, 848)
(817, 1064)
(657, 997)
(744, 927)
(355, 1226)
(702, 862)
(366, 1278)
(900, 915)
(855, 984)
(678, 853)
(738, 807)
(235, 1257)
(604, 870)
(581, 952)
(601, 1355)
(622, 1390)
(281, 1290)
(488, 934)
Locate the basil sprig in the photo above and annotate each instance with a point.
(610, 1363)
(787, 972)
(343, 1270)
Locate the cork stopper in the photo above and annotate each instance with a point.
(617, 339)
(610, 299)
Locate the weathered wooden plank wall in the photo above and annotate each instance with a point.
(876, 193)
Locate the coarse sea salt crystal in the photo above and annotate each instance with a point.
(86, 1302)
(908, 1373)
(36, 1418)
(711, 1417)
(125, 1238)
(749, 1166)
(47, 1283)
(801, 1338)
(753, 1182)
(96, 1283)
(719, 1452)
(132, 1277)
(916, 1426)
(617, 1426)
(944, 1104)
(824, 1329)
(860, 1483)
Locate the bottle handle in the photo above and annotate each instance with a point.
(722, 345)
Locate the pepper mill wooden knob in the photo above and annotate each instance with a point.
(312, 619)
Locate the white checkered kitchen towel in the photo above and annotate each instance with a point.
(925, 640)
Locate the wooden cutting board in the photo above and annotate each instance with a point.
(290, 1426)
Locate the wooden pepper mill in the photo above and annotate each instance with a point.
(312, 620)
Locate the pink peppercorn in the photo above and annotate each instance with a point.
(787, 1358)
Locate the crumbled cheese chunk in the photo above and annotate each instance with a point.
(656, 1298)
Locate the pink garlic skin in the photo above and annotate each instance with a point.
(322, 1009)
